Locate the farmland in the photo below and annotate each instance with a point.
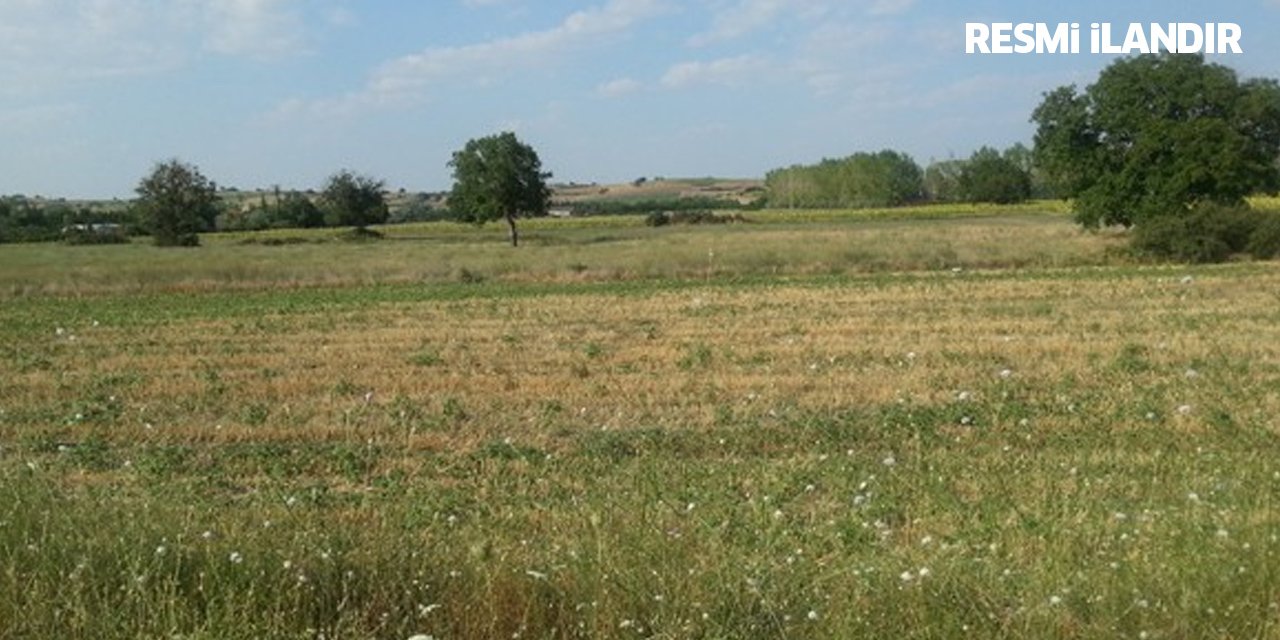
(818, 424)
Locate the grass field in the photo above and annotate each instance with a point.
(967, 426)
(770, 244)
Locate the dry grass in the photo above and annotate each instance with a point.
(1060, 452)
(560, 251)
(669, 359)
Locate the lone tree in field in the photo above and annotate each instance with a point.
(498, 177)
(175, 202)
(352, 200)
(1157, 135)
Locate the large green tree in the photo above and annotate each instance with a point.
(989, 176)
(498, 177)
(176, 202)
(1156, 135)
(353, 200)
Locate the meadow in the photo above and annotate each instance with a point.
(820, 425)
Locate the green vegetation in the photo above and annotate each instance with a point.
(618, 206)
(352, 200)
(1082, 449)
(895, 421)
(613, 248)
(175, 203)
(1209, 233)
(498, 178)
(290, 210)
(25, 220)
(991, 177)
(883, 179)
(1157, 135)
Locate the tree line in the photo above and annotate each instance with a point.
(891, 178)
(495, 177)
(1167, 144)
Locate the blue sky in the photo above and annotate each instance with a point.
(264, 92)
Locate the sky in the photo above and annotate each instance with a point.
(255, 93)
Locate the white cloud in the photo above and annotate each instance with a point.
(254, 27)
(740, 19)
(618, 87)
(47, 43)
(733, 71)
(408, 79)
(826, 58)
(890, 7)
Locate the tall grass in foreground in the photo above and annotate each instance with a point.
(993, 536)
(1034, 454)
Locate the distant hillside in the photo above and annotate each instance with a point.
(738, 191)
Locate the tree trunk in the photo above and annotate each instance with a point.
(515, 236)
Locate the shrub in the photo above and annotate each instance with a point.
(657, 219)
(1264, 244)
(990, 177)
(359, 234)
(1208, 233)
(95, 234)
(663, 218)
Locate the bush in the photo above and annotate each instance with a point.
(990, 177)
(676, 203)
(359, 234)
(663, 218)
(1208, 233)
(657, 219)
(95, 234)
(1264, 244)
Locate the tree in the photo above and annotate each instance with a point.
(354, 200)
(991, 177)
(295, 210)
(175, 202)
(1156, 135)
(942, 180)
(883, 179)
(498, 177)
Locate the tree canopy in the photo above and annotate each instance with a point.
(175, 202)
(883, 179)
(350, 199)
(989, 176)
(498, 177)
(1156, 135)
